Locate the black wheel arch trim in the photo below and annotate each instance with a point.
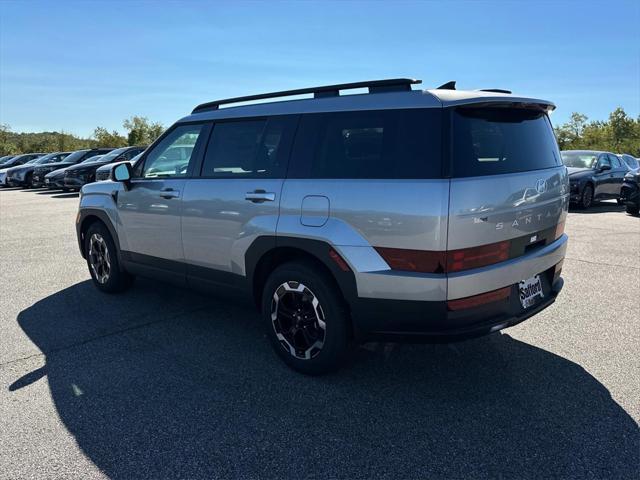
(262, 246)
(101, 215)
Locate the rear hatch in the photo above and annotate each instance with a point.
(509, 188)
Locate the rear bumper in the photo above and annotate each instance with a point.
(417, 322)
(421, 310)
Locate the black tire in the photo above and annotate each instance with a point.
(334, 337)
(65, 189)
(586, 199)
(102, 260)
(632, 208)
(28, 181)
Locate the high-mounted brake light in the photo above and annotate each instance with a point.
(477, 300)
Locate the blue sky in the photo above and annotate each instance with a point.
(75, 65)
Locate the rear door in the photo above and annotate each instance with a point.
(508, 180)
(149, 209)
(236, 195)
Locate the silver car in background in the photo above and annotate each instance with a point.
(397, 214)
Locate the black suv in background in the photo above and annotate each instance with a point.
(21, 175)
(593, 175)
(77, 175)
(76, 157)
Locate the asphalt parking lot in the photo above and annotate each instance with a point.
(161, 382)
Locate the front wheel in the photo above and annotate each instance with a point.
(102, 260)
(587, 197)
(632, 208)
(305, 318)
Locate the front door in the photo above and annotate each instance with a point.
(602, 178)
(236, 198)
(150, 208)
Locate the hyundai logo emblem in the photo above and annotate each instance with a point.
(541, 186)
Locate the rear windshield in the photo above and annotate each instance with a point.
(494, 141)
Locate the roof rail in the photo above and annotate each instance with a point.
(374, 86)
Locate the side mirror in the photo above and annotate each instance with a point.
(604, 167)
(121, 172)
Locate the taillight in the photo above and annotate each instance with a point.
(425, 261)
(559, 230)
(467, 258)
(414, 260)
(477, 300)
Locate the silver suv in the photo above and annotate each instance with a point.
(396, 214)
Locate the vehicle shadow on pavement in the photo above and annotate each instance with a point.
(160, 382)
(600, 207)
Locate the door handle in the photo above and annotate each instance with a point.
(259, 196)
(169, 193)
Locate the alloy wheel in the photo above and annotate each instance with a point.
(99, 259)
(298, 320)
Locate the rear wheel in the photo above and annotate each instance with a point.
(305, 318)
(102, 260)
(586, 200)
(632, 208)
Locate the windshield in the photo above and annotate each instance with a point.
(113, 154)
(94, 159)
(579, 159)
(52, 157)
(75, 156)
(5, 159)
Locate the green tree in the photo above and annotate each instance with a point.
(7, 146)
(104, 138)
(141, 131)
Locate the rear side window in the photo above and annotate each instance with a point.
(249, 148)
(389, 144)
(494, 141)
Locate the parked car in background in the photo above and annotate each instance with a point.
(104, 172)
(630, 161)
(4, 159)
(21, 175)
(346, 217)
(76, 157)
(55, 180)
(14, 162)
(630, 194)
(78, 175)
(593, 175)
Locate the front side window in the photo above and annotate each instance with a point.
(494, 140)
(248, 149)
(170, 157)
